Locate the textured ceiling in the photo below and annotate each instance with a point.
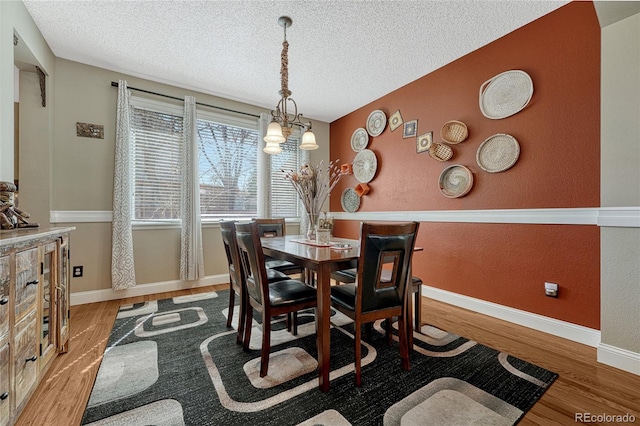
(342, 54)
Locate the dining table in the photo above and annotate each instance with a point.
(323, 259)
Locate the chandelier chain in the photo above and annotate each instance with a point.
(284, 69)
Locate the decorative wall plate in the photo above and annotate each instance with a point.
(498, 153)
(455, 181)
(423, 142)
(359, 139)
(376, 123)
(410, 129)
(365, 165)
(505, 94)
(350, 200)
(395, 120)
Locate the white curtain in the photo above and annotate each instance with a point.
(264, 168)
(191, 257)
(123, 274)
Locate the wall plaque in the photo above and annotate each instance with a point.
(88, 130)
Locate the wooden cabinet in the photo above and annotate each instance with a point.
(34, 311)
(25, 358)
(5, 284)
(26, 282)
(5, 381)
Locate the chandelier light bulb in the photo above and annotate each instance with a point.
(274, 134)
(308, 141)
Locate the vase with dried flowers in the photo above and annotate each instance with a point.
(314, 185)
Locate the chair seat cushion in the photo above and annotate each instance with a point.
(274, 275)
(344, 276)
(344, 295)
(282, 265)
(290, 292)
(349, 276)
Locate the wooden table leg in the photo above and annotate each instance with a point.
(409, 315)
(323, 325)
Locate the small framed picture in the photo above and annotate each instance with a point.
(423, 142)
(395, 120)
(410, 129)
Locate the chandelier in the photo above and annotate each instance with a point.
(282, 122)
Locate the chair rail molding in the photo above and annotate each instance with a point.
(600, 216)
(80, 216)
(628, 217)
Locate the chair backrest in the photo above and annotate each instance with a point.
(252, 261)
(271, 227)
(384, 244)
(228, 231)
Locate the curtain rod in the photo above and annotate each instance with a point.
(115, 84)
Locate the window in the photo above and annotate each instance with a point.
(228, 156)
(156, 139)
(228, 170)
(284, 199)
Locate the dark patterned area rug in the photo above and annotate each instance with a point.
(174, 362)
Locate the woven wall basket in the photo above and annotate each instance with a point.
(498, 153)
(505, 94)
(454, 132)
(440, 152)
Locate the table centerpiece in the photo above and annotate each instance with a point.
(313, 185)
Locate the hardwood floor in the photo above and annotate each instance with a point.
(584, 386)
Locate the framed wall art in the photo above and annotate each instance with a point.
(423, 142)
(410, 129)
(395, 120)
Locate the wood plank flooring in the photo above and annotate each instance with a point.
(584, 386)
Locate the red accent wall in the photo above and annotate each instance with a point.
(558, 167)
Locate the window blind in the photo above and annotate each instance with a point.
(157, 138)
(228, 170)
(284, 198)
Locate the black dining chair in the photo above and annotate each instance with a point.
(236, 277)
(348, 276)
(275, 227)
(270, 299)
(371, 297)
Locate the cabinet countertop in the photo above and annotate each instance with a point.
(16, 237)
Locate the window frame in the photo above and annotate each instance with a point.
(202, 113)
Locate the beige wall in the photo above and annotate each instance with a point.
(620, 183)
(35, 149)
(83, 178)
(14, 18)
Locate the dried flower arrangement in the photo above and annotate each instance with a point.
(314, 185)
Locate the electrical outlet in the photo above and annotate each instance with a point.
(77, 271)
(551, 289)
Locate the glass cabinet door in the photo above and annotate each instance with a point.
(63, 297)
(48, 302)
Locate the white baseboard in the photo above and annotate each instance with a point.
(82, 297)
(619, 358)
(566, 330)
